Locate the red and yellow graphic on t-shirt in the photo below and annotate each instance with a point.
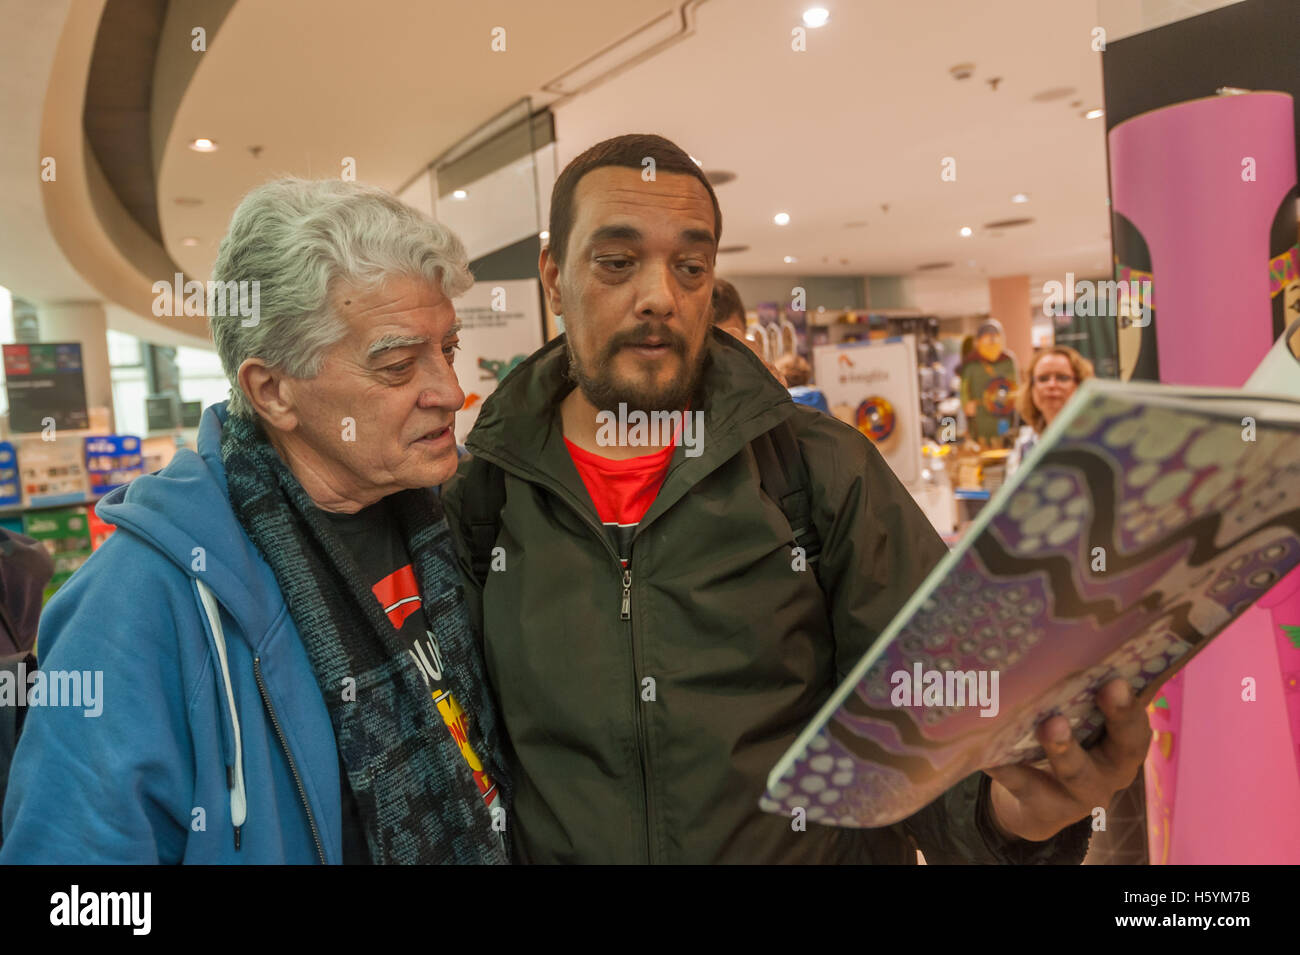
(458, 725)
(399, 595)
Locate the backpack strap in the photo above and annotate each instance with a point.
(783, 475)
(484, 496)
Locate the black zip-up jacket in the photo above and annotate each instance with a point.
(742, 648)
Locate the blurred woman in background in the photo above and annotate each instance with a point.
(1054, 376)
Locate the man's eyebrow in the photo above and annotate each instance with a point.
(607, 233)
(387, 343)
(456, 326)
(698, 235)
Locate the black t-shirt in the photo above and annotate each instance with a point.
(375, 541)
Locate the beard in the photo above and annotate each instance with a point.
(606, 390)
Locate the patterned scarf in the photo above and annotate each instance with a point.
(416, 794)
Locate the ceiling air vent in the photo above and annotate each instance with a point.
(719, 177)
(1007, 223)
(726, 249)
(932, 266)
(1056, 92)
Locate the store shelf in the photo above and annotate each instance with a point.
(16, 510)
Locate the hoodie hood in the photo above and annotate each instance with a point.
(184, 512)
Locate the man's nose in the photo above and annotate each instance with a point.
(655, 291)
(442, 388)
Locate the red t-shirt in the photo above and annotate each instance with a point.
(621, 490)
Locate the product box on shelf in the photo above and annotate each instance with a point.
(53, 472)
(111, 461)
(11, 492)
(66, 535)
(99, 528)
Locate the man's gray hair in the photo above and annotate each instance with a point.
(298, 239)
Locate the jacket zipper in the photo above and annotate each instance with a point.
(637, 722)
(625, 613)
(293, 768)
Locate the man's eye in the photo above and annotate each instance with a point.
(616, 264)
(693, 270)
(400, 367)
(449, 351)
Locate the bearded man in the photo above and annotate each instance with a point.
(653, 631)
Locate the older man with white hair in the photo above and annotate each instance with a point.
(278, 618)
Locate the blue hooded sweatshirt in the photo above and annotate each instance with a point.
(170, 771)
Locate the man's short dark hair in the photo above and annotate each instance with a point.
(628, 151)
(726, 302)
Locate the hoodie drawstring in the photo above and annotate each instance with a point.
(235, 780)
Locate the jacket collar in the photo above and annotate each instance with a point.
(519, 427)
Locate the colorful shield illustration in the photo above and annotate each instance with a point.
(999, 396)
(875, 418)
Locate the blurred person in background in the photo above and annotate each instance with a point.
(729, 315)
(25, 569)
(796, 371)
(1054, 376)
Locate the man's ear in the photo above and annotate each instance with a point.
(549, 270)
(270, 392)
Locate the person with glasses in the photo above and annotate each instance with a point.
(1054, 375)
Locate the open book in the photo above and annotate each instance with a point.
(1146, 520)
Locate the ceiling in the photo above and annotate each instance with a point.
(864, 118)
(31, 263)
(391, 84)
(859, 121)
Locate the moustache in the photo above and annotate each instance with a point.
(645, 335)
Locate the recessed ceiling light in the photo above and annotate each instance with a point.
(696, 161)
(202, 145)
(965, 231)
(816, 17)
(781, 218)
(1020, 197)
(1096, 113)
(189, 240)
(543, 235)
(460, 194)
(790, 260)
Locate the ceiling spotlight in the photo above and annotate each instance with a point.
(189, 240)
(696, 161)
(816, 17)
(1020, 197)
(1097, 113)
(460, 194)
(790, 260)
(543, 235)
(965, 231)
(203, 146)
(781, 218)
